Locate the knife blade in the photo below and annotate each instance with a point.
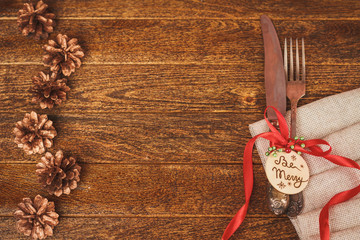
(275, 89)
(275, 85)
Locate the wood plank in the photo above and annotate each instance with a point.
(334, 9)
(187, 41)
(142, 190)
(140, 138)
(143, 88)
(115, 89)
(158, 228)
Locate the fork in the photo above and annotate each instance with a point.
(295, 89)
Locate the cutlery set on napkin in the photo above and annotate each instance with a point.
(335, 119)
(333, 123)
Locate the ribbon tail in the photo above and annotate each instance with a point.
(248, 186)
(343, 161)
(235, 222)
(324, 214)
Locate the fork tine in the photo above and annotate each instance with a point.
(303, 58)
(291, 62)
(297, 72)
(285, 60)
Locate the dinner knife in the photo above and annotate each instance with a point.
(275, 83)
(275, 89)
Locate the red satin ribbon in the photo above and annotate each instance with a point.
(281, 140)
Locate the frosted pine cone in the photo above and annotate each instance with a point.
(36, 20)
(34, 133)
(36, 219)
(63, 54)
(57, 174)
(49, 90)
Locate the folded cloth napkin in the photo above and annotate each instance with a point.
(335, 119)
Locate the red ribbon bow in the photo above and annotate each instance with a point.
(281, 140)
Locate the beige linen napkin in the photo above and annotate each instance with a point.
(337, 120)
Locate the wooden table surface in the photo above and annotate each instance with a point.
(158, 114)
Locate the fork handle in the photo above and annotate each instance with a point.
(296, 201)
(293, 117)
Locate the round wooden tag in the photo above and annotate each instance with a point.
(287, 172)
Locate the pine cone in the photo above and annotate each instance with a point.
(49, 90)
(63, 54)
(38, 20)
(57, 174)
(36, 219)
(34, 133)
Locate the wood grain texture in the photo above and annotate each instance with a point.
(175, 9)
(157, 228)
(109, 114)
(142, 190)
(187, 41)
(140, 138)
(116, 89)
(158, 114)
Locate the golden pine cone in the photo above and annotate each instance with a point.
(34, 133)
(36, 218)
(36, 20)
(49, 90)
(63, 54)
(57, 174)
